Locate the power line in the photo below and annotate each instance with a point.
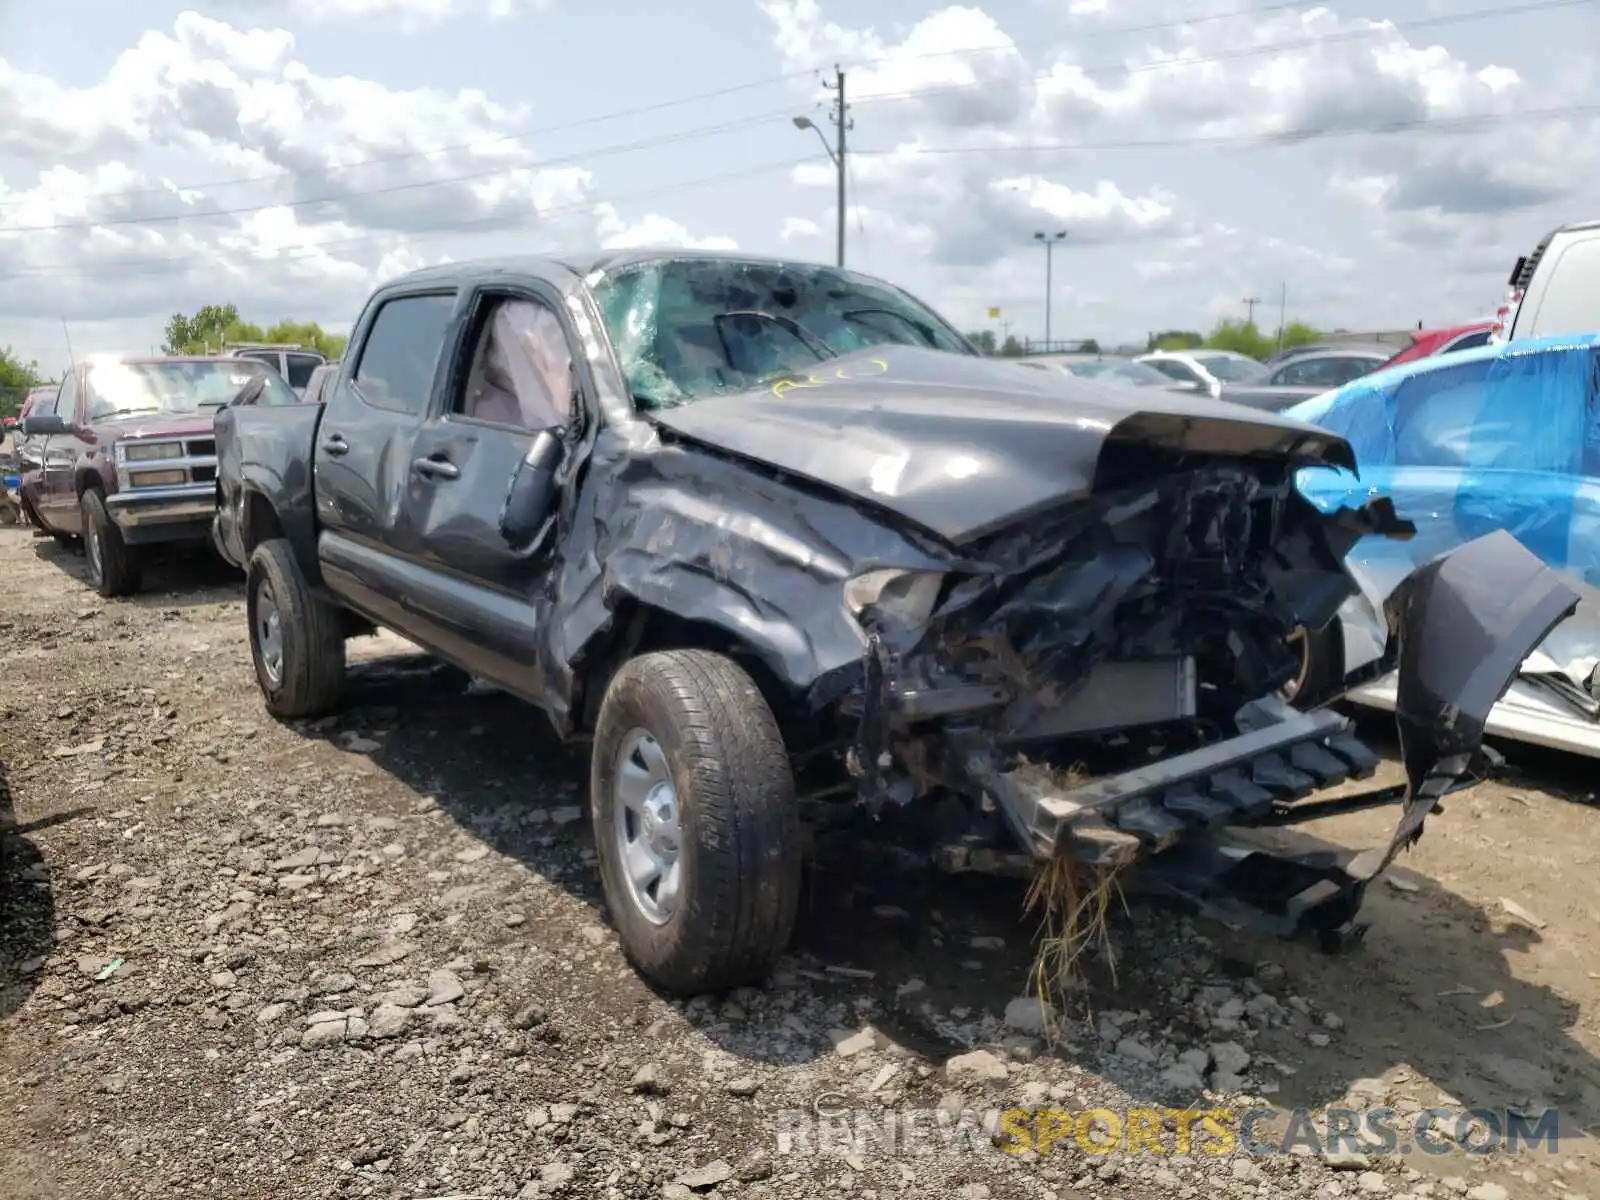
(491, 224)
(392, 189)
(1280, 138)
(1285, 137)
(641, 110)
(477, 144)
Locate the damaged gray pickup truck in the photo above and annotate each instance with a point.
(767, 533)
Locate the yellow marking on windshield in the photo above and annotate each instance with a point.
(840, 374)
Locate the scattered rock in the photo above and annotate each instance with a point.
(707, 1176)
(1026, 1014)
(978, 1066)
(444, 987)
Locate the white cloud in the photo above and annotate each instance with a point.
(1413, 192)
(412, 15)
(324, 185)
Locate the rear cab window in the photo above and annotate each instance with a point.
(300, 368)
(400, 355)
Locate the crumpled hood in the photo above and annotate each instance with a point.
(963, 445)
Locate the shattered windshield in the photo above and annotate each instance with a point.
(688, 328)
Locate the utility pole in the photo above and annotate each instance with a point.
(842, 123)
(1049, 240)
(1250, 303)
(1283, 310)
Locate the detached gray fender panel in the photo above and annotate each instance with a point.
(1463, 624)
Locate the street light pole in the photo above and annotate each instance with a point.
(1049, 240)
(841, 124)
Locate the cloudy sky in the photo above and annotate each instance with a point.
(1384, 162)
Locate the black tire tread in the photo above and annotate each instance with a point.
(314, 644)
(739, 811)
(119, 562)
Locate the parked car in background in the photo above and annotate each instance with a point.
(1305, 375)
(717, 516)
(1211, 370)
(1427, 343)
(291, 361)
(1124, 372)
(1495, 438)
(129, 457)
(1556, 288)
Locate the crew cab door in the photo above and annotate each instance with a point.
(363, 452)
(513, 382)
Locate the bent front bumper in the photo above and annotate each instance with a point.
(1459, 626)
(181, 513)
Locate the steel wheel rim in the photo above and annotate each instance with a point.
(1292, 689)
(268, 626)
(646, 824)
(93, 548)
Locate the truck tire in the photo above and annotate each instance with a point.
(690, 782)
(296, 638)
(113, 564)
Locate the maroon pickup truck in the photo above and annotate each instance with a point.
(128, 459)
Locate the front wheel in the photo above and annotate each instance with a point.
(695, 821)
(113, 564)
(296, 638)
(1321, 664)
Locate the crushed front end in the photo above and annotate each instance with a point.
(1107, 678)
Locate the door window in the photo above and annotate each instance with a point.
(521, 373)
(1468, 341)
(66, 406)
(401, 353)
(1173, 369)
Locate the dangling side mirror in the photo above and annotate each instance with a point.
(532, 497)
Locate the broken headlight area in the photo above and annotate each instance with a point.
(1103, 684)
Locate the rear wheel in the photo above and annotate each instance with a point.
(113, 564)
(695, 821)
(296, 638)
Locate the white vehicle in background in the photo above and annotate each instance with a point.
(1556, 289)
(1206, 370)
(289, 359)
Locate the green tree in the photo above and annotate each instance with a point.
(1298, 333)
(214, 324)
(1012, 348)
(984, 341)
(16, 377)
(1242, 337)
(1089, 346)
(1175, 339)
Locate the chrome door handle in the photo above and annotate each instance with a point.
(435, 468)
(335, 444)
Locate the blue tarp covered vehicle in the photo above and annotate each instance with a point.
(1504, 437)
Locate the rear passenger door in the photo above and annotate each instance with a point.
(513, 379)
(364, 450)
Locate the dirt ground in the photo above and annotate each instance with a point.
(367, 958)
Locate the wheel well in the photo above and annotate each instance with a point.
(261, 522)
(638, 628)
(88, 481)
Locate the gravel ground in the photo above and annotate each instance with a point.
(367, 957)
